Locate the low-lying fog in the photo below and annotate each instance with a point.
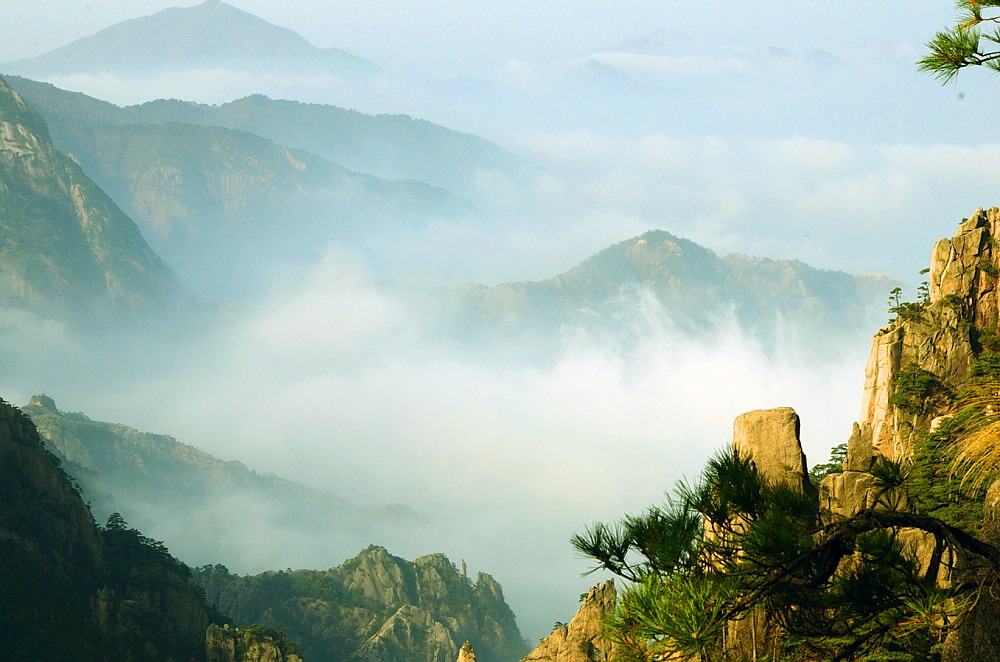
(339, 384)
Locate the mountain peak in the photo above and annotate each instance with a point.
(212, 34)
(42, 401)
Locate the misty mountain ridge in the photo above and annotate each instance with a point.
(167, 488)
(396, 147)
(76, 591)
(66, 249)
(212, 35)
(690, 286)
(224, 206)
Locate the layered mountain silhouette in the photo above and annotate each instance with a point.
(223, 205)
(387, 146)
(211, 35)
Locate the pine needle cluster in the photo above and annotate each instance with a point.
(972, 41)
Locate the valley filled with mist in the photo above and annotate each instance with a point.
(283, 295)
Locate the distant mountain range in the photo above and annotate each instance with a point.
(222, 206)
(626, 290)
(387, 146)
(65, 248)
(212, 35)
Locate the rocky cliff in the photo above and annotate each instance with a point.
(73, 591)
(937, 340)
(582, 639)
(375, 607)
(64, 245)
(229, 644)
(923, 358)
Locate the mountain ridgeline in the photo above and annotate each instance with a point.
(211, 35)
(657, 278)
(387, 146)
(77, 592)
(65, 248)
(121, 469)
(374, 607)
(224, 206)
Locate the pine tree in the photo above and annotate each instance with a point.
(734, 543)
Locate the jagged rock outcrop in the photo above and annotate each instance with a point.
(72, 591)
(581, 640)
(375, 607)
(941, 338)
(227, 644)
(467, 654)
(919, 361)
(847, 492)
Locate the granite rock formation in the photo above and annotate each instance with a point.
(771, 438)
(581, 640)
(467, 654)
(940, 339)
(375, 607)
(228, 644)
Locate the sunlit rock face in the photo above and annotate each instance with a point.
(771, 438)
(581, 640)
(467, 654)
(228, 644)
(941, 339)
(375, 607)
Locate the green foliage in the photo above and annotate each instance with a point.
(988, 268)
(989, 340)
(834, 465)
(913, 388)
(909, 310)
(934, 489)
(277, 634)
(841, 588)
(987, 364)
(132, 557)
(970, 42)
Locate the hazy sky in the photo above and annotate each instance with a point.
(457, 37)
